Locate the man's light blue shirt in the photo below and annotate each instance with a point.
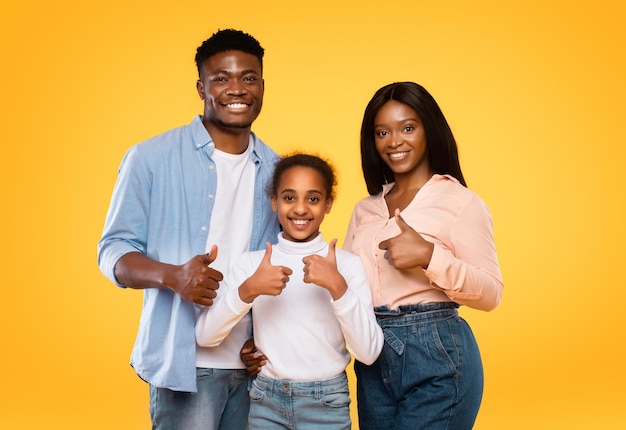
(161, 206)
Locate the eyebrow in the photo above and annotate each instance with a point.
(290, 190)
(243, 72)
(405, 120)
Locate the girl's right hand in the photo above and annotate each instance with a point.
(267, 280)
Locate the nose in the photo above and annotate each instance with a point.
(395, 140)
(300, 207)
(236, 87)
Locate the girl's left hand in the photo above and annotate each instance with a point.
(323, 271)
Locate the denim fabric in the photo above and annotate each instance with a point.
(221, 403)
(428, 376)
(278, 404)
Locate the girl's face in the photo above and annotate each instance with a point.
(400, 138)
(301, 203)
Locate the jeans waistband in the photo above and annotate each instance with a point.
(415, 313)
(314, 388)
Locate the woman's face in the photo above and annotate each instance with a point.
(400, 138)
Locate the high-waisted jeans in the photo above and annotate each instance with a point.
(429, 374)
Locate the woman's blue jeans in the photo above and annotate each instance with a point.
(429, 374)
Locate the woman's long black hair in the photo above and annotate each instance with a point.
(443, 157)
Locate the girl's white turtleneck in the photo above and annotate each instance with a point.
(302, 331)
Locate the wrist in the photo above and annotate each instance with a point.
(245, 293)
(430, 256)
(339, 288)
(167, 276)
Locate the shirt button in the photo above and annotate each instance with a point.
(210, 196)
(203, 228)
(211, 167)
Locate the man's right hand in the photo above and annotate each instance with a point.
(195, 281)
(251, 358)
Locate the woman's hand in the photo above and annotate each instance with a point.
(407, 250)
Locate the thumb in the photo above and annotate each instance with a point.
(212, 255)
(400, 221)
(268, 253)
(331, 249)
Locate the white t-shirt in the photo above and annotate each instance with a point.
(231, 226)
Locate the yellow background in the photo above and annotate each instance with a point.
(534, 92)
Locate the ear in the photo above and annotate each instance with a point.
(262, 96)
(329, 205)
(274, 205)
(200, 89)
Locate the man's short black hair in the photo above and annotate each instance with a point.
(227, 40)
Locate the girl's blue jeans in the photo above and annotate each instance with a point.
(429, 374)
(317, 405)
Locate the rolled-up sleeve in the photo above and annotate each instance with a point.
(125, 227)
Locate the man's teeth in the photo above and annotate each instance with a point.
(237, 105)
(300, 221)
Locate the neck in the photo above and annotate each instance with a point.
(232, 140)
(412, 181)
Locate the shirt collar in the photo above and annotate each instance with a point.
(202, 138)
(435, 178)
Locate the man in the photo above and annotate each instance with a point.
(185, 205)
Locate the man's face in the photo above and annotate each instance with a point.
(231, 85)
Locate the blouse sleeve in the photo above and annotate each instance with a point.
(469, 273)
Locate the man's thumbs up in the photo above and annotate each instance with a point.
(196, 281)
(212, 255)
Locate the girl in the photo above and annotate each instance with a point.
(427, 244)
(311, 307)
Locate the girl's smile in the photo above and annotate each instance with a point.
(301, 203)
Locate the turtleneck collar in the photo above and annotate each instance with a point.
(311, 247)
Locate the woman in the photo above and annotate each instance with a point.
(427, 244)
